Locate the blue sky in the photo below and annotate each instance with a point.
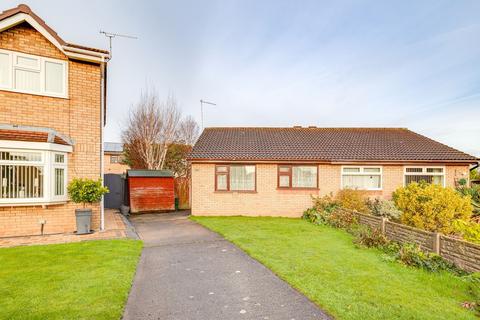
(412, 64)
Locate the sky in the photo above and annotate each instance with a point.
(413, 64)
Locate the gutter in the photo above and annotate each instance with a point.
(102, 147)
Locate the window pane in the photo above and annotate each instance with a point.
(435, 170)
(351, 170)
(361, 182)
(59, 158)
(59, 181)
(54, 77)
(304, 177)
(20, 156)
(371, 170)
(284, 169)
(242, 178)
(113, 159)
(222, 169)
(27, 80)
(27, 62)
(18, 182)
(413, 169)
(222, 182)
(426, 178)
(284, 181)
(4, 69)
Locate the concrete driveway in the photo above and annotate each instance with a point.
(188, 272)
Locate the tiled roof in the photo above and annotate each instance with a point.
(33, 136)
(322, 144)
(22, 8)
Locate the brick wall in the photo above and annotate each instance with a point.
(78, 117)
(117, 168)
(270, 201)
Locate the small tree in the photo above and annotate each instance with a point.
(431, 207)
(86, 191)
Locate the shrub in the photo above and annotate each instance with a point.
(339, 218)
(352, 200)
(431, 207)
(468, 230)
(384, 208)
(313, 216)
(474, 288)
(86, 190)
(369, 237)
(474, 193)
(326, 203)
(411, 254)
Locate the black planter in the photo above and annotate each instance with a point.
(84, 220)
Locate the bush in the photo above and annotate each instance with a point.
(86, 190)
(352, 200)
(384, 208)
(339, 218)
(474, 288)
(411, 254)
(431, 207)
(474, 193)
(326, 203)
(468, 230)
(313, 216)
(369, 237)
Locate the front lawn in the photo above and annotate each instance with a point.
(346, 281)
(86, 280)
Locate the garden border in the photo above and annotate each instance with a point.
(463, 254)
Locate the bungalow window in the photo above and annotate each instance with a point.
(435, 175)
(32, 176)
(293, 176)
(26, 73)
(362, 178)
(235, 178)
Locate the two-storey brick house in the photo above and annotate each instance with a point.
(52, 111)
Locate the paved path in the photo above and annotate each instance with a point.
(187, 272)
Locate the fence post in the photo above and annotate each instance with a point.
(436, 243)
(384, 222)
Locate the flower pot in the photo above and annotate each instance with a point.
(84, 220)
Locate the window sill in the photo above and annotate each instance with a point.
(49, 95)
(298, 189)
(237, 191)
(32, 204)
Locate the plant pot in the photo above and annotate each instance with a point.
(125, 210)
(84, 220)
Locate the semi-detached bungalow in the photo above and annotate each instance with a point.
(276, 171)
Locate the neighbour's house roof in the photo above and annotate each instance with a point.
(149, 173)
(113, 147)
(321, 144)
(33, 134)
(23, 13)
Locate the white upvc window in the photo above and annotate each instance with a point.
(26, 73)
(32, 176)
(429, 174)
(361, 177)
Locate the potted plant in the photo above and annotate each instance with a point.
(85, 191)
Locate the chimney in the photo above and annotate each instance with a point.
(297, 127)
(312, 127)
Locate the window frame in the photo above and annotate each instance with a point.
(48, 165)
(362, 173)
(227, 174)
(40, 68)
(425, 173)
(290, 175)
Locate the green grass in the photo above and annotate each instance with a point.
(86, 280)
(346, 281)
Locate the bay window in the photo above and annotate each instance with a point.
(32, 176)
(435, 175)
(297, 176)
(235, 178)
(27, 73)
(362, 178)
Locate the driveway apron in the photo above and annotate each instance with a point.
(188, 272)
